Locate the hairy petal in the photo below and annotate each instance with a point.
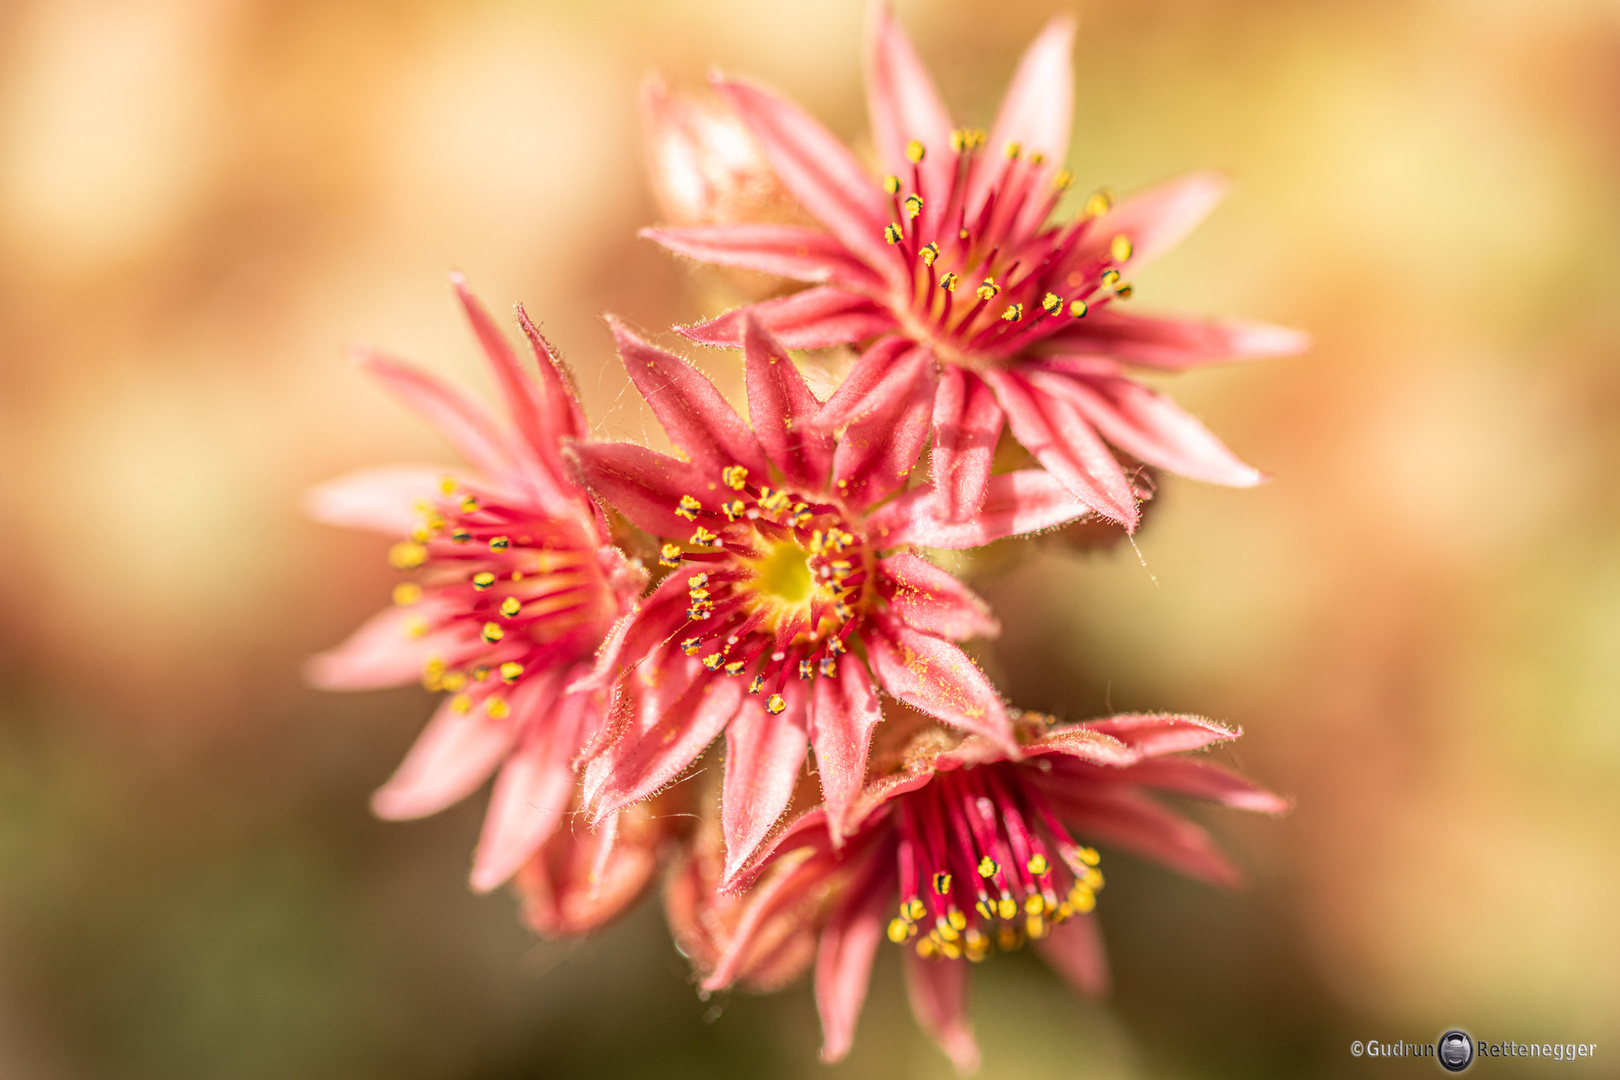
(929, 599)
(1155, 734)
(387, 499)
(462, 422)
(879, 449)
(820, 172)
(387, 649)
(582, 878)
(848, 946)
(815, 318)
(696, 415)
(1207, 780)
(764, 755)
(904, 105)
(844, 711)
(1121, 816)
(643, 485)
(1063, 442)
(454, 754)
(1175, 344)
(663, 742)
(935, 676)
(1155, 219)
(790, 251)
(938, 991)
(780, 407)
(1151, 427)
(967, 424)
(1038, 109)
(884, 372)
(1015, 503)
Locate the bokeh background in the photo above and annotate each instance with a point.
(1417, 623)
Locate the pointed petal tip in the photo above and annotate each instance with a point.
(392, 805)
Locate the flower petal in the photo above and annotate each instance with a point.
(815, 318)
(844, 711)
(1116, 814)
(967, 425)
(884, 371)
(1150, 427)
(1015, 503)
(643, 485)
(1074, 948)
(764, 755)
(929, 599)
(938, 991)
(387, 499)
(463, 423)
(1155, 220)
(1063, 442)
(879, 450)
(904, 105)
(455, 753)
(1176, 344)
(569, 888)
(780, 408)
(849, 944)
(935, 676)
(772, 914)
(790, 251)
(820, 172)
(1207, 780)
(695, 414)
(534, 787)
(1154, 734)
(389, 649)
(1037, 111)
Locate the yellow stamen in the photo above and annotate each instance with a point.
(735, 477)
(948, 282)
(988, 867)
(407, 593)
(500, 543)
(775, 705)
(929, 253)
(915, 152)
(891, 184)
(892, 233)
(461, 703)
(483, 580)
(913, 205)
(1079, 308)
(1063, 180)
(511, 672)
(1120, 248)
(1012, 151)
(988, 289)
(1013, 313)
(469, 505)
(511, 606)
(407, 555)
(1099, 203)
(942, 882)
(688, 508)
(669, 555)
(1037, 864)
(493, 632)
(497, 708)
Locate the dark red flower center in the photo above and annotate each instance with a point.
(780, 585)
(984, 861)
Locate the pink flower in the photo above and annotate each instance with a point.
(960, 850)
(706, 168)
(790, 607)
(515, 583)
(949, 267)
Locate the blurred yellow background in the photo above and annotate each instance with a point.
(1417, 622)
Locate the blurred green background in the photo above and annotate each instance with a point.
(1417, 622)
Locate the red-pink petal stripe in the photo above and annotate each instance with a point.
(387, 499)
(844, 958)
(938, 991)
(844, 711)
(1074, 949)
(1136, 822)
(455, 753)
(764, 755)
(929, 599)
(967, 424)
(1037, 111)
(463, 423)
(643, 485)
(790, 251)
(387, 649)
(884, 371)
(664, 741)
(879, 449)
(1063, 442)
(1151, 427)
(933, 675)
(814, 318)
(695, 414)
(1207, 780)
(1015, 504)
(1175, 344)
(904, 105)
(780, 408)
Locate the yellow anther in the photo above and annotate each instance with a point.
(806, 669)
(416, 627)
(836, 647)
(704, 538)
(461, 703)
(734, 509)
(1110, 278)
(988, 289)
(697, 594)
(688, 508)
(407, 593)
(942, 882)
(483, 580)
(988, 867)
(1035, 927)
(1093, 880)
(914, 909)
(1008, 938)
(899, 931)
(453, 681)
(958, 140)
(511, 672)
(1007, 907)
(1037, 158)
(913, 205)
(891, 184)
(691, 645)
(1120, 248)
(407, 555)
(892, 233)
(697, 581)
(757, 685)
(669, 555)
(1079, 308)
(493, 632)
(497, 708)
(944, 932)
(1089, 856)
(975, 946)
(1063, 179)
(511, 606)
(829, 667)
(447, 484)
(950, 950)
(481, 673)
(1037, 864)
(713, 661)
(1012, 150)
(736, 667)
(1124, 291)
(517, 575)
(956, 920)
(735, 477)
(915, 151)
(469, 505)
(984, 909)
(461, 536)
(500, 543)
(1052, 303)
(775, 705)
(433, 673)
(1013, 313)
(929, 253)
(1033, 904)
(926, 948)
(947, 282)
(1082, 899)
(1099, 203)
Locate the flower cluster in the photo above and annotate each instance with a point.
(599, 615)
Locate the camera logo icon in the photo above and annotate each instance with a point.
(1455, 1050)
